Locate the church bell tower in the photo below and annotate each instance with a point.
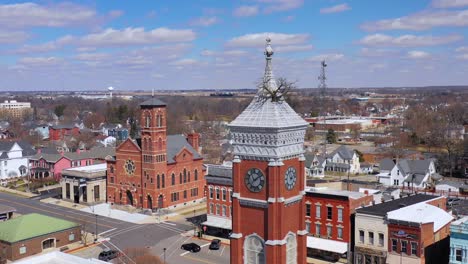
(268, 178)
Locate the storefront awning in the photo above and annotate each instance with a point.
(218, 222)
(327, 245)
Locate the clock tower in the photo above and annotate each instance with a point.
(268, 178)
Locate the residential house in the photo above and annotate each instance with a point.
(59, 132)
(51, 165)
(343, 160)
(42, 130)
(330, 221)
(315, 165)
(459, 241)
(371, 227)
(119, 133)
(411, 173)
(14, 159)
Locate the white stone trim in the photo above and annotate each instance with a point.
(236, 235)
(236, 159)
(293, 199)
(303, 192)
(236, 195)
(276, 242)
(302, 232)
(271, 200)
(280, 199)
(302, 157)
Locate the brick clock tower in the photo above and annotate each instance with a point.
(268, 179)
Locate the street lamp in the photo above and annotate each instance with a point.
(164, 250)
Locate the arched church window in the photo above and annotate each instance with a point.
(254, 250)
(291, 249)
(147, 120)
(173, 179)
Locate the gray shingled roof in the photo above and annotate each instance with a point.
(5, 146)
(94, 153)
(60, 126)
(414, 166)
(383, 208)
(175, 143)
(386, 164)
(153, 102)
(344, 152)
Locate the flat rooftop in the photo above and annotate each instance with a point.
(349, 194)
(383, 208)
(91, 171)
(422, 213)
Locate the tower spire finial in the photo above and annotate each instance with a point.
(269, 83)
(152, 92)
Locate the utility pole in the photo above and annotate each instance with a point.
(95, 234)
(164, 250)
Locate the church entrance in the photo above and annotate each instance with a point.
(129, 198)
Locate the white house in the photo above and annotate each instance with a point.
(315, 165)
(14, 159)
(410, 173)
(108, 141)
(342, 160)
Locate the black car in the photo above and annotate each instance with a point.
(215, 244)
(453, 201)
(192, 247)
(108, 254)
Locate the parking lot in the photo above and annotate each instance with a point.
(174, 254)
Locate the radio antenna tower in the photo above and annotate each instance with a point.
(323, 92)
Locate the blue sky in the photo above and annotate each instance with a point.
(212, 44)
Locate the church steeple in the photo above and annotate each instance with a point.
(269, 81)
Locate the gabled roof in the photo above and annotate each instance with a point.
(175, 143)
(31, 225)
(414, 166)
(386, 164)
(153, 102)
(344, 152)
(94, 153)
(63, 126)
(6, 146)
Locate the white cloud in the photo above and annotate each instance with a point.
(44, 47)
(92, 56)
(328, 57)
(462, 49)
(335, 9)
(204, 21)
(54, 15)
(280, 5)
(136, 36)
(376, 52)
(207, 53)
(463, 56)
(39, 61)
(183, 62)
(289, 18)
(377, 66)
(8, 37)
(417, 54)
(245, 11)
(258, 39)
(449, 3)
(235, 52)
(294, 48)
(421, 21)
(408, 40)
(157, 75)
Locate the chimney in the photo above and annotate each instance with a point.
(194, 140)
(39, 150)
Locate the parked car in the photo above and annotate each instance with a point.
(108, 254)
(215, 244)
(192, 247)
(453, 201)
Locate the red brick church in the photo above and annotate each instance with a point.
(156, 170)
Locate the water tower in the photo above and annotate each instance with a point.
(110, 91)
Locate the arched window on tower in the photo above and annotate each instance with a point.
(291, 249)
(180, 178)
(157, 181)
(163, 181)
(196, 175)
(185, 175)
(254, 250)
(147, 120)
(159, 120)
(173, 179)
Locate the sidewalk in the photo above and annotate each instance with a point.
(20, 193)
(64, 203)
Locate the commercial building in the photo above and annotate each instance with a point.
(59, 132)
(85, 184)
(372, 231)
(156, 170)
(419, 233)
(32, 234)
(15, 109)
(218, 200)
(330, 221)
(459, 241)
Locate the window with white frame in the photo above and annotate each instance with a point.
(224, 194)
(308, 227)
(317, 229)
(224, 210)
(291, 249)
(218, 194)
(371, 238)
(361, 236)
(404, 246)
(254, 250)
(339, 232)
(211, 208)
(218, 210)
(340, 214)
(22, 250)
(71, 237)
(381, 239)
(317, 211)
(329, 231)
(414, 249)
(211, 192)
(307, 209)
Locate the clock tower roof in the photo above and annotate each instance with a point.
(266, 111)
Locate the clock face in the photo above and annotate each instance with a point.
(290, 178)
(254, 180)
(129, 167)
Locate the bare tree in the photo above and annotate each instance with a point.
(283, 90)
(139, 256)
